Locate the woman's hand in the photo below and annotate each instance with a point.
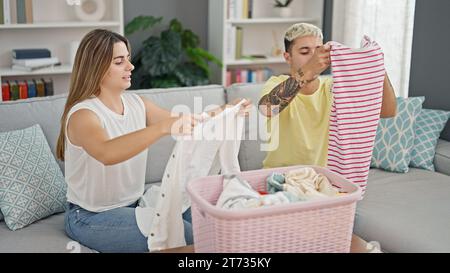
(245, 107)
(244, 110)
(182, 125)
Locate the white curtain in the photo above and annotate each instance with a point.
(389, 22)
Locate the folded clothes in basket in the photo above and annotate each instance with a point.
(238, 194)
(300, 184)
(304, 183)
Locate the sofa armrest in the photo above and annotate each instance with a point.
(442, 157)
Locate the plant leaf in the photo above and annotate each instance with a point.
(278, 3)
(141, 22)
(198, 60)
(161, 55)
(206, 55)
(165, 81)
(190, 39)
(200, 57)
(190, 74)
(176, 26)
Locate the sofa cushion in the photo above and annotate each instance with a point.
(406, 212)
(46, 235)
(442, 157)
(251, 154)
(428, 127)
(196, 99)
(45, 111)
(32, 185)
(395, 137)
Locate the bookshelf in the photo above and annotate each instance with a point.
(260, 35)
(55, 30)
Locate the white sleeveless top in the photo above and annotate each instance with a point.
(94, 186)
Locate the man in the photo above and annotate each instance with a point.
(303, 100)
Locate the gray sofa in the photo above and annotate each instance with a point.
(404, 212)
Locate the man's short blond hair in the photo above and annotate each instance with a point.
(300, 30)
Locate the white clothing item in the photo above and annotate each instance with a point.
(373, 247)
(192, 157)
(238, 194)
(94, 186)
(306, 184)
(277, 198)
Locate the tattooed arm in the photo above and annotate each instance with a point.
(279, 98)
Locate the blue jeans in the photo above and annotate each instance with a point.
(114, 230)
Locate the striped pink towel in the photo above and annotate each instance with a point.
(358, 76)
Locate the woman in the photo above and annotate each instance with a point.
(104, 137)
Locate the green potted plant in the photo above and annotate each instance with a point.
(283, 9)
(171, 59)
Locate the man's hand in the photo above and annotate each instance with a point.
(318, 63)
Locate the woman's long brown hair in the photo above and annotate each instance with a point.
(92, 61)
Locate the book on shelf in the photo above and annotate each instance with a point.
(239, 34)
(13, 11)
(21, 15)
(250, 9)
(6, 13)
(230, 42)
(48, 84)
(23, 89)
(244, 14)
(31, 89)
(240, 9)
(16, 11)
(234, 47)
(238, 75)
(31, 53)
(2, 17)
(36, 62)
(228, 78)
(40, 88)
(241, 75)
(14, 89)
(6, 95)
(245, 75)
(31, 68)
(24, 11)
(29, 11)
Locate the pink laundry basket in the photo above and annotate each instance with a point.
(313, 226)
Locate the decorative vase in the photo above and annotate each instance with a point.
(90, 10)
(284, 12)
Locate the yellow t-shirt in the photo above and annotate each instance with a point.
(303, 127)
